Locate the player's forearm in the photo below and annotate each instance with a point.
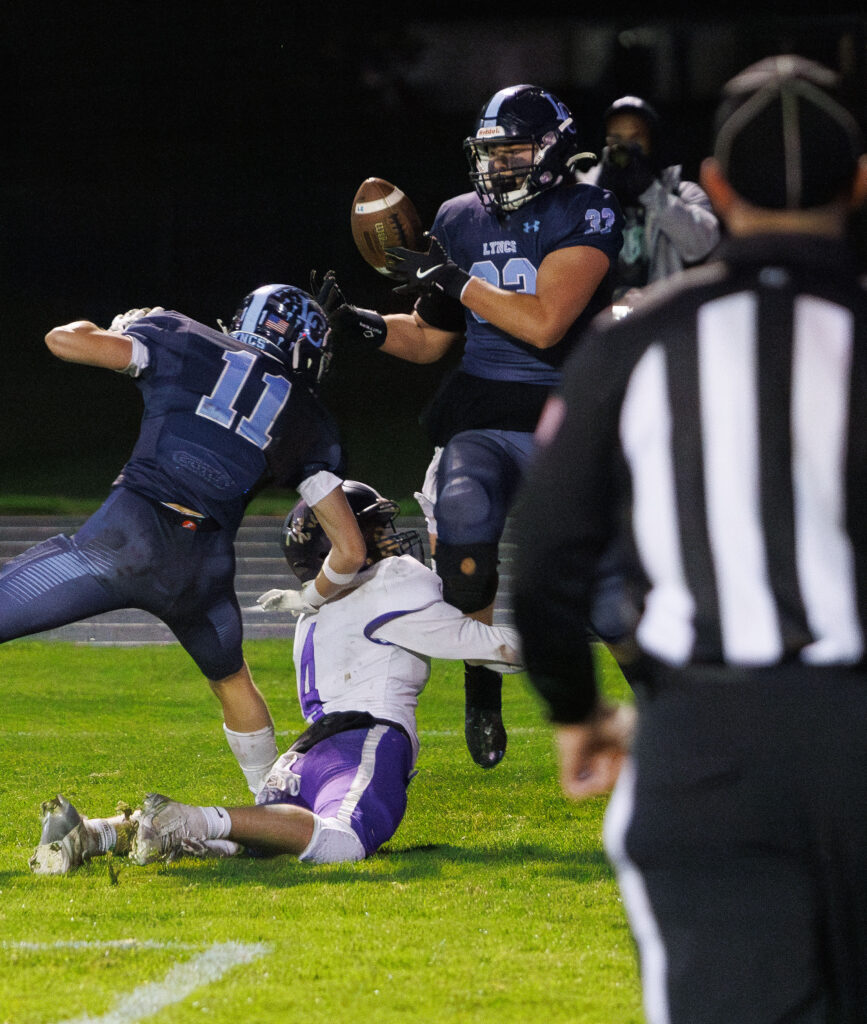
(441, 631)
(477, 642)
(83, 342)
(520, 314)
(342, 563)
(407, 339)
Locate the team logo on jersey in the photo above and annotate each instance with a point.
(531, 225)
(211, 474)
(499, 248)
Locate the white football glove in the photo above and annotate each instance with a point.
(305, 600)
(123, 320)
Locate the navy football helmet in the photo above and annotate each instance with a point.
(286, 317)
(305, 544)
(528, 117)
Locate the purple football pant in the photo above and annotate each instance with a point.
(359, 777)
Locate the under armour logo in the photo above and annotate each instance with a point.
(530, 225)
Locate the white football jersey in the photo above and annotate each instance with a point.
(370, 649)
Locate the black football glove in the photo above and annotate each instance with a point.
(423, 272)
(326, 293)
(347, 325)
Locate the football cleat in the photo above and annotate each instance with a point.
(63, 855)
(65, 843)
(485, 735)
(59, 817)
(162, 828)
(210, 848)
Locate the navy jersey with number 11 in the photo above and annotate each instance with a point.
(221, 419)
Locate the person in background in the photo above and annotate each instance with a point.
(224, 414)
(727, 418)
(361, 661)
(669, 223)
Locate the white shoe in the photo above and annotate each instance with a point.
(163, 826)
(58, 818)
(209, 848)
(65, 843)
(62, 855)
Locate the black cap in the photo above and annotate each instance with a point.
(633, 105)
(784, 140)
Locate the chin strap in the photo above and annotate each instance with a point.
(582, 161)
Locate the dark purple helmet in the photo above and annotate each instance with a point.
(305, 543)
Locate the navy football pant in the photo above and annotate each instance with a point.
(131, 553)
(478, 475)
(739, 838)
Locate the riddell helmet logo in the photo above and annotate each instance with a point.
(490, 132)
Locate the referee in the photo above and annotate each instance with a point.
(724, 423)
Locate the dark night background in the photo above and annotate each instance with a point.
(180, 154)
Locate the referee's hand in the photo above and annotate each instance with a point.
(592, 753)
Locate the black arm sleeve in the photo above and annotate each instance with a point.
(442, 312)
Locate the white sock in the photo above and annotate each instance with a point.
(255, 752)
(218, 822)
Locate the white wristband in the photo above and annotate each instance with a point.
(311, 595)
(339, 579)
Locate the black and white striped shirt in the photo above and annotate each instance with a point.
(727, 418)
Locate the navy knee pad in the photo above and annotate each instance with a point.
(472, 490)
(463, 508)
(469, 574)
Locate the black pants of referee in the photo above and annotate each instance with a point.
(738, 831)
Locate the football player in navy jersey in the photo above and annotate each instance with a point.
(224, 414)
(519, 266)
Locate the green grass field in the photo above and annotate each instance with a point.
(492, 903)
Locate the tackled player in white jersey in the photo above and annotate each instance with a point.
(361, 659)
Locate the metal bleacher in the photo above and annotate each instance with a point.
(260, 567)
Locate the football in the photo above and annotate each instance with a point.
(382, 215)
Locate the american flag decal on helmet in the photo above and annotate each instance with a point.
(277, 323)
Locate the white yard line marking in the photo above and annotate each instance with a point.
(181, 980)
(41, 947)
